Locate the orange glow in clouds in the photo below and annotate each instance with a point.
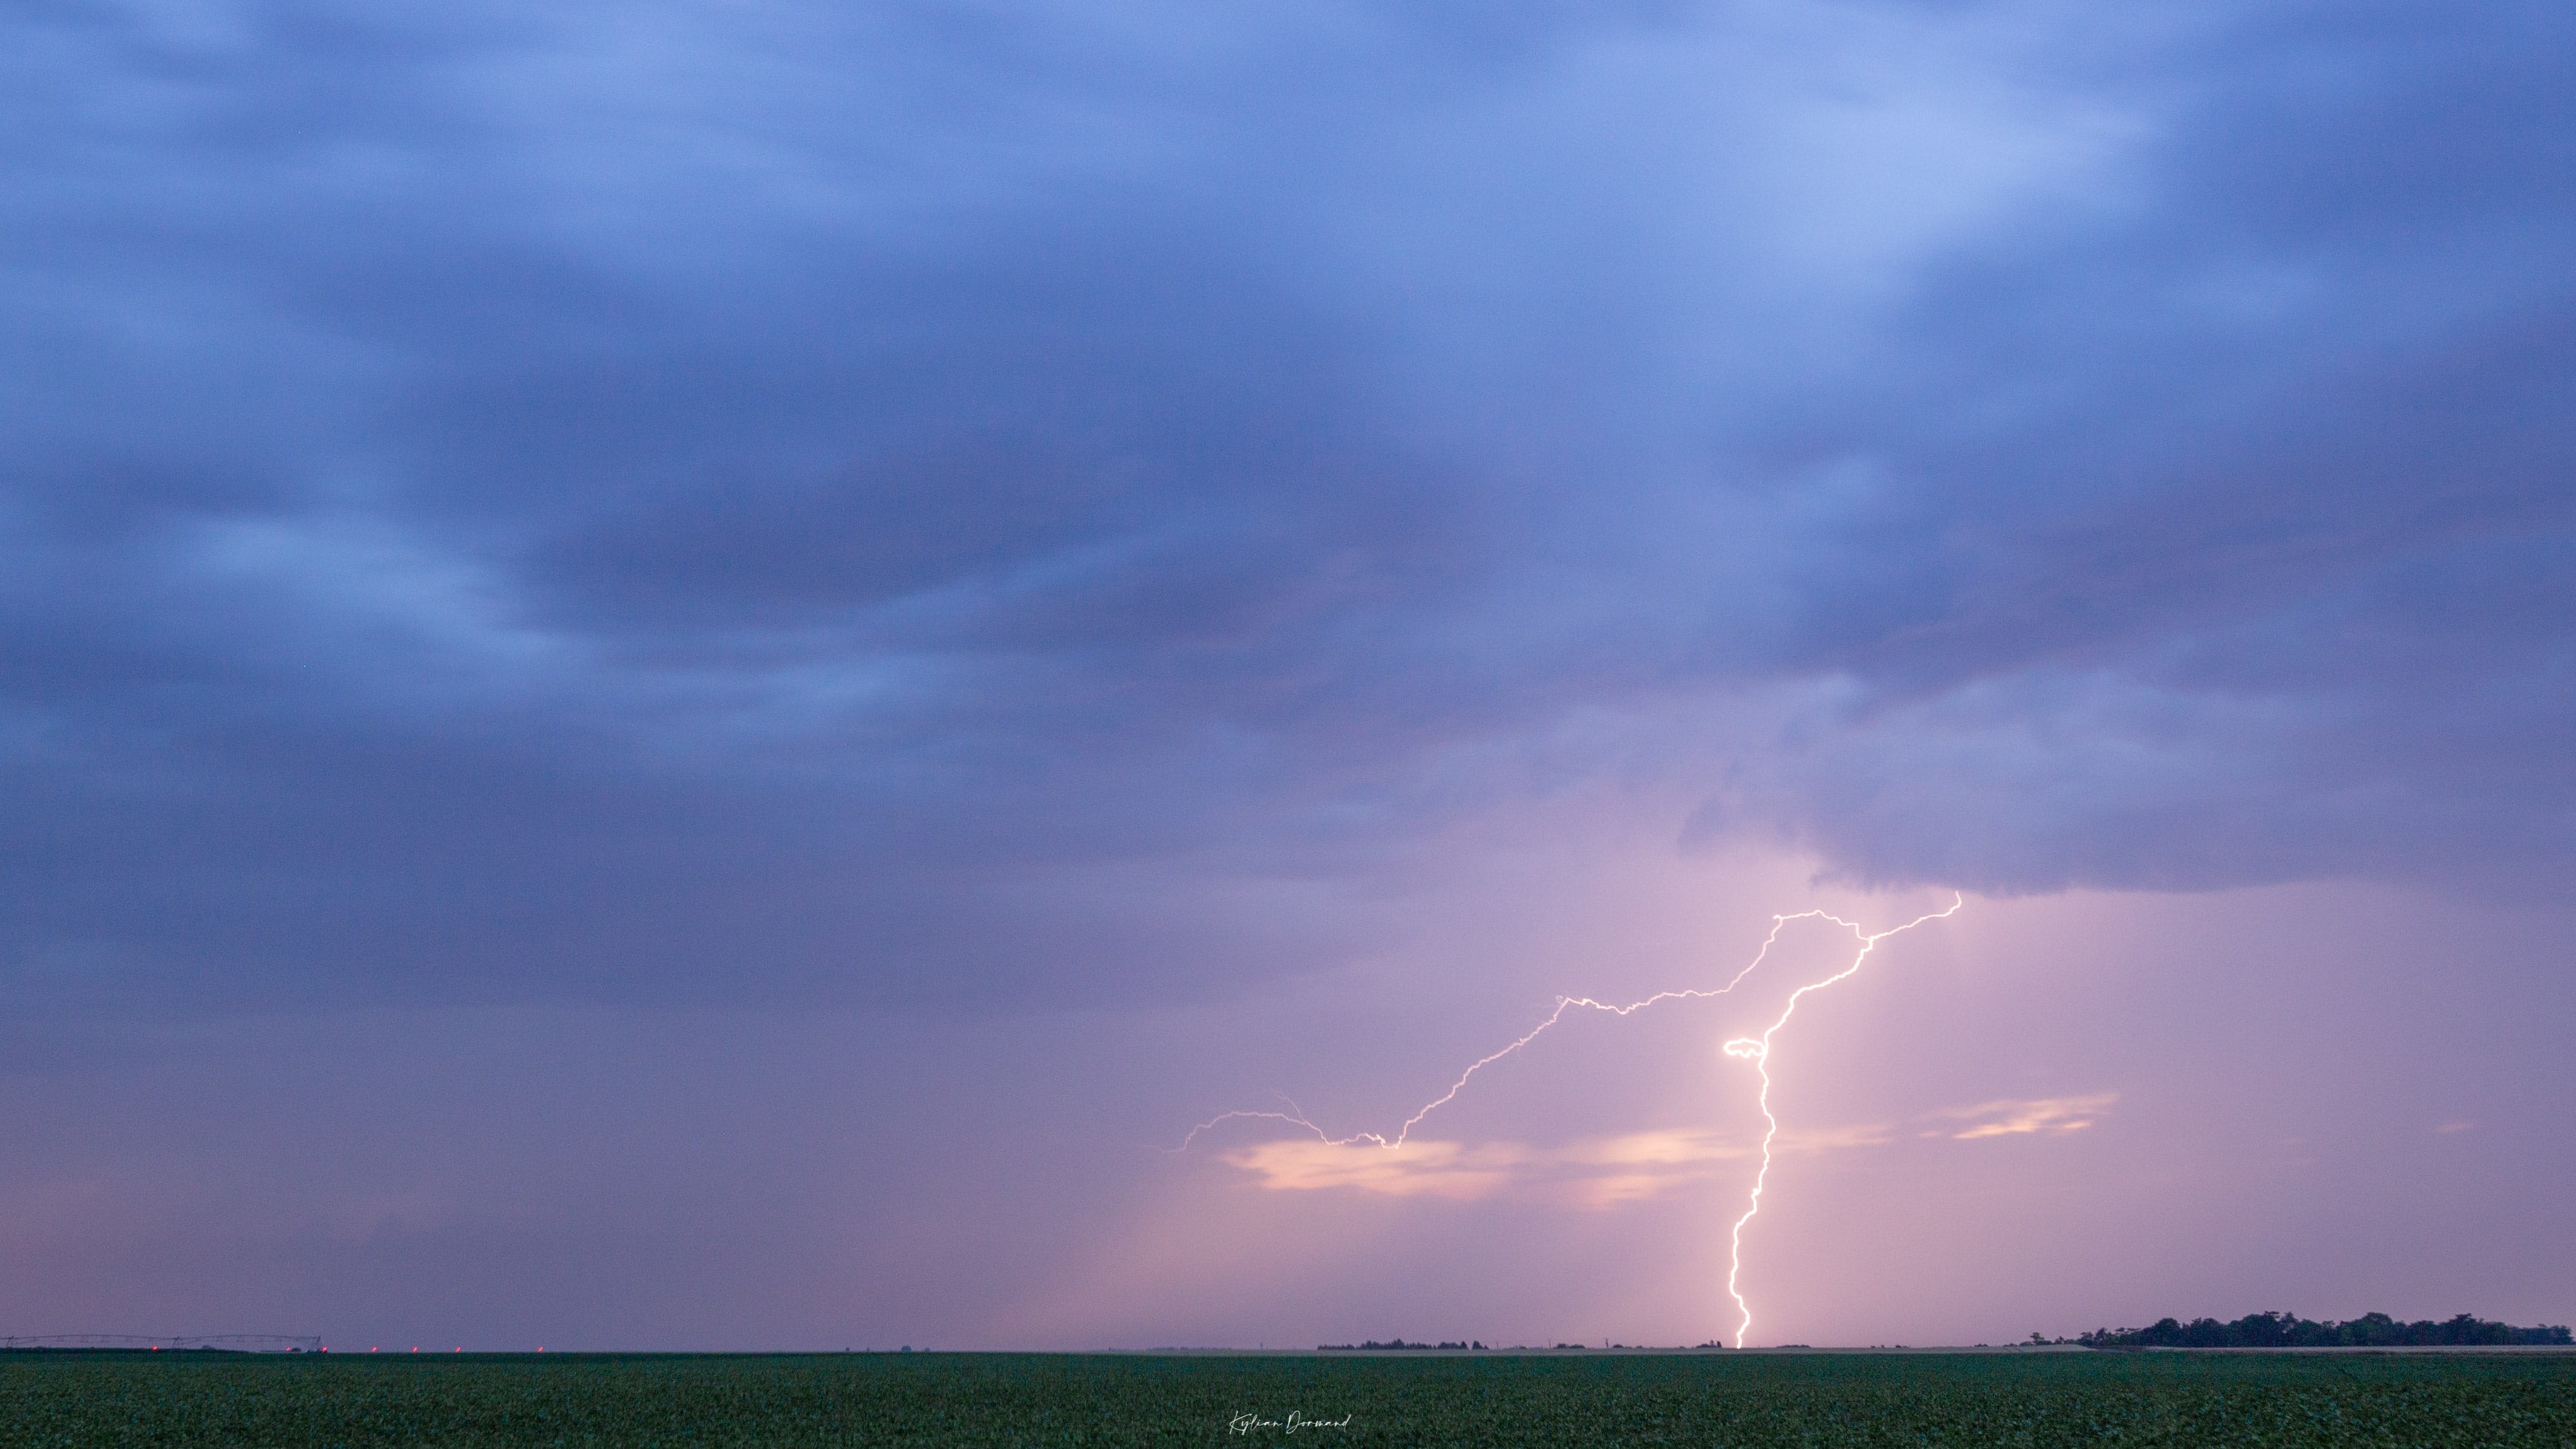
(1605, 1172)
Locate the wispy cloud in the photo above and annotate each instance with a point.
(1834, 1139)
(1591, 1172)
(1607, 1172)
(1416, 1169)
(2013, 1118)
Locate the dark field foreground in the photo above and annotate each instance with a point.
(1029, 1399)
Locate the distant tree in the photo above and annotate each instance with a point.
(2289, 1330)
(2264, 1330)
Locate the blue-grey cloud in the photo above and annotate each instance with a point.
(933, 501)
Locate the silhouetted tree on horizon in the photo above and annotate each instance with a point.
(2289, 1330)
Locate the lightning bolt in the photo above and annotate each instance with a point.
(1754, 1049)
(1758, 1051)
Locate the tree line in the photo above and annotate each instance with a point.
(2289, 1330)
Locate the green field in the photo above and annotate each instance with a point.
(1030, 1399)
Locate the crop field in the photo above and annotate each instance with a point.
(128, 1399)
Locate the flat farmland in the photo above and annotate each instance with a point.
(925, 1399)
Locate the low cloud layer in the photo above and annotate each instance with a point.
(1608, 1172)
(931, 503)
(1593, 1173)
(2031, 1118)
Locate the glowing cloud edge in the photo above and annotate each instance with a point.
(1754, 1049)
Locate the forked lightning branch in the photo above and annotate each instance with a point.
(1759, 1050)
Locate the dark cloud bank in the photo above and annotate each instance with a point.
(731, 503)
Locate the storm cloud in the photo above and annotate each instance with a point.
(669, 501)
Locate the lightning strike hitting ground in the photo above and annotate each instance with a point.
(1758, 1051)
(1754, 1049)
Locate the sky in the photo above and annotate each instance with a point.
(693, 675)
